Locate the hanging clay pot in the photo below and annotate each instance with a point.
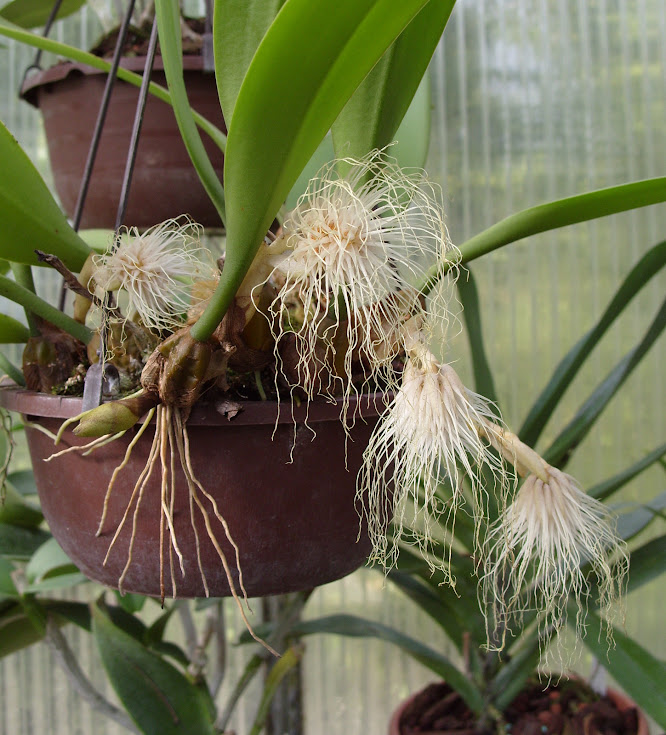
(164, 183)
(285, 488)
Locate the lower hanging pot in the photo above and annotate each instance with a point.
(556, 709)
(285, 488)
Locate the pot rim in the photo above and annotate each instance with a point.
(45, 405)
(60, 71)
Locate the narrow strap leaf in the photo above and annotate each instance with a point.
(641, 274)
(571, 436)
(469, 297)
(605, 489)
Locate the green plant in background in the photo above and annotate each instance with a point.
(359, 278)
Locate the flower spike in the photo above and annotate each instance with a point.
(428, 436)
(537, 550)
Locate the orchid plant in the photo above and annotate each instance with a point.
(347, 295)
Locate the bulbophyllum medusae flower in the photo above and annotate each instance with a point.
(348, 264)
(536, 554)
(429, 449)
(155, 269)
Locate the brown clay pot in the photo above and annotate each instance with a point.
(164, 183)
(285, 493)
(620, 700)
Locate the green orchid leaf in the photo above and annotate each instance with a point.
(61, 580)
(12, 331)
(7, 587)
(512, 677)
(34, 13)
(16, 631)
(313, 57)
(130, 602)
(31, 302)
(23, 481)
(632, 523)
(357, 627)
(469, 297)
(563, 212)
(159, 698)
(571, 436)
(636, 670)
(641, 274)
(20, 543)
(167, 13)
(286, 663)
(30, 216)
(48, 561)
(371, 117)
(74, 54)
(647, 563)
(605, 489)
(4, 266)
(8, 368)
(16, 511)
(238, 27)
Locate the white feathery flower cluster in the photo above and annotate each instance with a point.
(537, 551)
(429, 436)
(155, 269)
(353, 253)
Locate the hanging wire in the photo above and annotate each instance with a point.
(36, 64)
(93, 394)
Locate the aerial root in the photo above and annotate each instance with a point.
(171, 441)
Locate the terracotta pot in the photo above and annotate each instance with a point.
(621, 701)
(285, 493)
(164, 183)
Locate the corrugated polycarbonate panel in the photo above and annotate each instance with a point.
(533, 100)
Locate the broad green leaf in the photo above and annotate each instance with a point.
(30, 301)
(12, 331)
(238, 27)
(313, 57)
(130, 602)
(59, 581)
(29, 214)
(71, 52)
(570, 437)
(23, 481)
(632, 523)
(356, 627)
(636, 670)
(167, 14)
(34, 13)
(513, 675)
(49, 560)
(7, 586)
(469, 297)
(16, 511)
(605, 489)
(544, 406)
(16, 631)
(4, 266)
(371, 117)
(20, 543)
(8, 368)
(159, 698)
(410, 149)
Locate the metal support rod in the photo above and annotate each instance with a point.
(101, 116)
(136, 129)
(47, 29)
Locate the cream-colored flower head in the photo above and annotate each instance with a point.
(155, 269)
(538, 550)
(427, 454)
(352, 253)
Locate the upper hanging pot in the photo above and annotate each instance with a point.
(164, 183)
